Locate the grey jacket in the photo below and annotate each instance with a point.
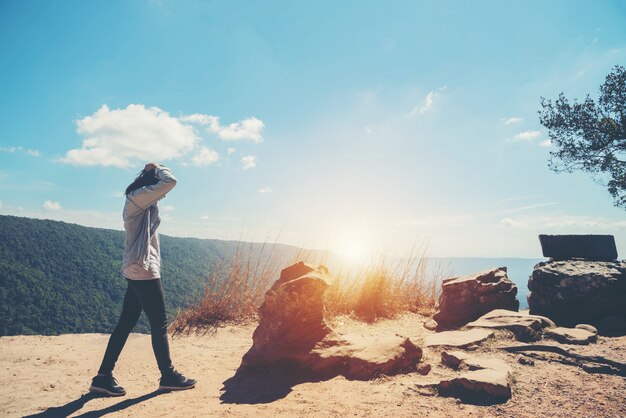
(141, 219)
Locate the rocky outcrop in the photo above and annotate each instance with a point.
(464, 299)
(578, 291)
(293, 332)
(525, 327)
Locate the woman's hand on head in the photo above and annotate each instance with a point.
(151, 166)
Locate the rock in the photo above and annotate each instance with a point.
(587, 327)
(487, 381)
(457, 338)
(570, 335)
(483, 385)
(293, 331)
(464, 299)
(612, 326)
(424, 369)
(363, 357)
(525, 327)
(588, 247)
(461, 359)
(577, 291)
(525, 361)
(292, 317)
(488, 378)
(430, 325)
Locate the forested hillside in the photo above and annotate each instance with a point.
(57, 277)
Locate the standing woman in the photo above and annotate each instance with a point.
(141, 266)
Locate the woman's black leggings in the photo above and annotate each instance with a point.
(140, 295)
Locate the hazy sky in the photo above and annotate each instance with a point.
(341, 125)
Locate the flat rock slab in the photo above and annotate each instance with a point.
(587, 327)
(588, 247)
(487, 380)
(461, 359)
(571, 335)
(457, 338)
(363, 357)
(525, 327)
(483, 385)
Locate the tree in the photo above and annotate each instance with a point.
(591, 136)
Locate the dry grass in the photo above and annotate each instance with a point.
(383, 289)
(233, 292)
(378, 290)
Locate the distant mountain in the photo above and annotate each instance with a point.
(59, 278)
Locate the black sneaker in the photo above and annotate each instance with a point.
(106, 385)
(176, 381)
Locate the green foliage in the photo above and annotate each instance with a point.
(57, 277)
(591, 136)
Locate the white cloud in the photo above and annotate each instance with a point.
(13, 150)
(248, 162)
(50, 205)
(512, 223)
(125, 137)
(526, 136)
(168, 208)
(204, 217)
(512, 121)
(206, 156)
(428, 102)
(546, 143)
(246, 129)
(528, 207)
(33, 152)
(264, 190)
(200, 119)
(250, 128)
(231, 151)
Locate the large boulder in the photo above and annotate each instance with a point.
(464, 299)
(293, 333)
(571, 292)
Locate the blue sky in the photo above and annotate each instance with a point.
(353, 126)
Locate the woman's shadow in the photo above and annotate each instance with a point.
(75, 405)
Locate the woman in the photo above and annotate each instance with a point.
(141, 267)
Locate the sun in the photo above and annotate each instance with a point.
(352, 251)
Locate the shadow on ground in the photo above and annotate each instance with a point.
(256, 386)
(75, 405)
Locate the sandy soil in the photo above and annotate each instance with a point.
(49, 376)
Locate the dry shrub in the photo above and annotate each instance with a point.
(382, 289)
(385, 290)
(234, 292)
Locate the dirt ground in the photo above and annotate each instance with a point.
(49, 377)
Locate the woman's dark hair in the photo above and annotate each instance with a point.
(145, 178)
